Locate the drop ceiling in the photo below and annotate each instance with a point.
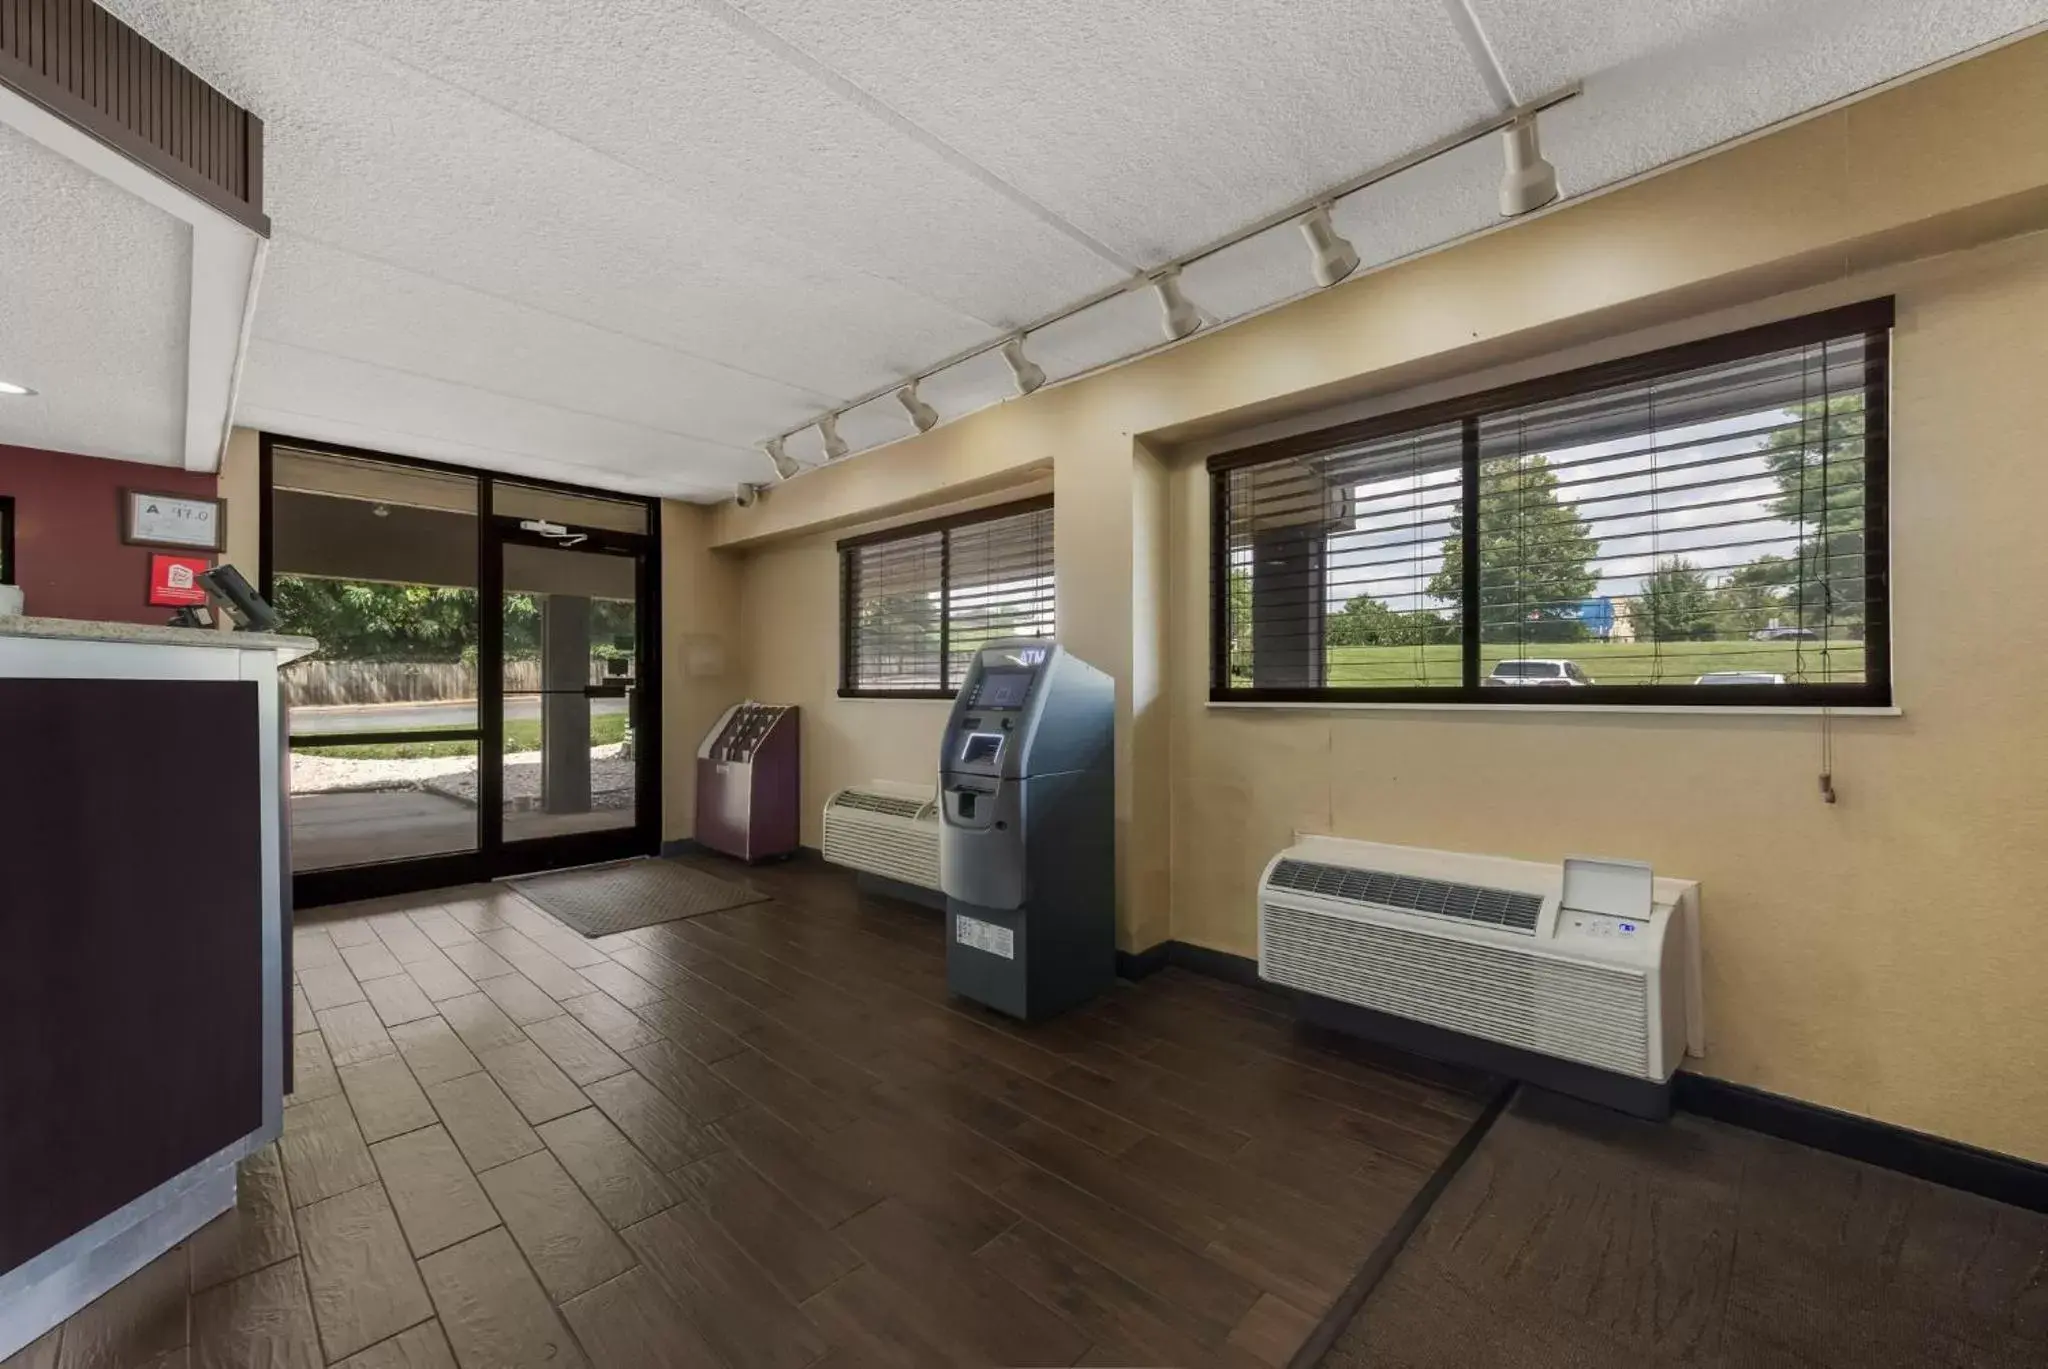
(93, 286)
(624, 243)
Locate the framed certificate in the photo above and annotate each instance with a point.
(149, 519)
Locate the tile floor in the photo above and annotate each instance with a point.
(768, 1139)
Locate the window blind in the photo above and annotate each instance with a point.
(918, 602)
(1700, 525)
(998, 584)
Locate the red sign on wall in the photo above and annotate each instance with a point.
(174, 580)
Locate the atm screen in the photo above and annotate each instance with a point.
(1002, 689)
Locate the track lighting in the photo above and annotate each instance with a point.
(786, 465)
(1529, 182)
(1332, 257)
(1028, 374)
(835, 445)
(922, 414)
(1177, 317)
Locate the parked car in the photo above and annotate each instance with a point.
(1538, 672)
(1784, 634)
(1739, 677)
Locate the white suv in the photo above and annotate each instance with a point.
(1536, 672)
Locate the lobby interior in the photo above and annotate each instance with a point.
(1496, 440)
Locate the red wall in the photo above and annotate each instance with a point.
(68, 555)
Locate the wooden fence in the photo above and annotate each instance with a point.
(314, 683)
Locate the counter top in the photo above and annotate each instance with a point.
(149, 634)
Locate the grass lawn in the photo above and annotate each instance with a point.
(1606, 662)
(521, 734)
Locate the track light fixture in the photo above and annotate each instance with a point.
(922, 414)
(1028, 374)
(1332, 258)
(1177, 317)
(1530, 182)
(786, 465)
(835, 445)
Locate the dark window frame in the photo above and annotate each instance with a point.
(848, 688)
(1872, 319)
(7, 568)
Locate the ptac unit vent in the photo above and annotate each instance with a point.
(1471, 902)
(885, 829)
(1592, 961)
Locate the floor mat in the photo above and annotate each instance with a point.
(603, 899)
(1576, 1238)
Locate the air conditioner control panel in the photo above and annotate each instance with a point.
(1600, 925)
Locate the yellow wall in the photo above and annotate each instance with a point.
(241, 487)
(1871, 955)
(702, 653)
(1881, 955)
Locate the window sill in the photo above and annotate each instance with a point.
(1734, 711)
(902, 695)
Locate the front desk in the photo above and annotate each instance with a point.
(143, 938)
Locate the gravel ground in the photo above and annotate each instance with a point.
(313, 773)
(611, 779)
(611, 776)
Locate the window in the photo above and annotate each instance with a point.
(917, 603)
(1702, 525)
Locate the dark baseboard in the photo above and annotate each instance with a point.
(1137, 965)
(1236, 969)
(1636, 1097)
(2004, 1178)
(690, 846)
(1987, 1173)
(1232, 969)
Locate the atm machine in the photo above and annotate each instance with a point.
(1027, 834)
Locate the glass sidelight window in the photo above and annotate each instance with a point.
(379, 563)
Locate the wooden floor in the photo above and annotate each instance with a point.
(767, 1138)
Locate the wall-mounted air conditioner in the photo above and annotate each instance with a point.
(887, 829)
(1592, 961)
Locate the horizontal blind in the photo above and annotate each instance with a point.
(1333, 557)
(893, 592)
(999, 584)
(920, 603)
(1705, 527)
(1709, 519)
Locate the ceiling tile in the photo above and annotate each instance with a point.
(310, 394)
(94, 286)
(1667, 81)
(1162, 125)
(623, 242)
(325, 300)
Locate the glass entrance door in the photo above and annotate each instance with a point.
(485, 700)
(571, 624)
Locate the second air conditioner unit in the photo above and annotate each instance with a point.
(1593, 962)
(887, 829)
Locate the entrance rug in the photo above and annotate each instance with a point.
(602, 899)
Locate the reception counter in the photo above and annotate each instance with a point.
(143, 945)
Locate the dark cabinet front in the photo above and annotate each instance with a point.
(131, 943)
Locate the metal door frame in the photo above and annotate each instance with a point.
(492, 858)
